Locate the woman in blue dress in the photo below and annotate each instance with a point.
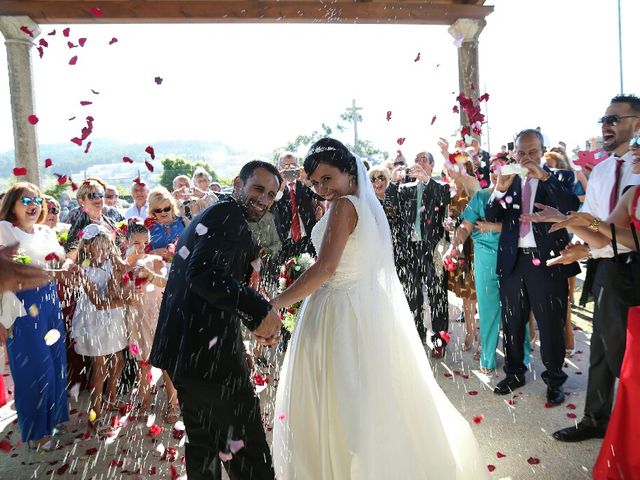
(36, 338)
(164, 223)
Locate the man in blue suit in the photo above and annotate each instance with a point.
(526, 282)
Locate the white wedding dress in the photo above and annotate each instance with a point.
(357, 398)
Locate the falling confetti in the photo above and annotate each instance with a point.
(127, 160)
(533, 461)
(32, 119)
(73, 60)
(388, 115)
(48, 163)
(433, 119)
(66, 32)
(19, 171)
(201, 229)
(417, 59)
(184, 252)
(74, 391)
(491, 468)
(26, 30)
(478, 419)
(536, 262)
(134, 349)
(33, 311)
(212, 342)
(97, 11)
(52, 336)
(401, 140)
(158, 80)
(113, 40)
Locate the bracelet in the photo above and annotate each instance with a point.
(595, 225)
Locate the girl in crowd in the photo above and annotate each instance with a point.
(164, 223)
(35, 340)
(98, 325)
(149, 278)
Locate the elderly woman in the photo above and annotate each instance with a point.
(380, 178)
(92, 209)
(201, 179)
(191, 201)
(164, 222)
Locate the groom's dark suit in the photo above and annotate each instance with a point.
(198, 341)
(414, 256)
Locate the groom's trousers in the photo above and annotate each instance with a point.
(214, 417)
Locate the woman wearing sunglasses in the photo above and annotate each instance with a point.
(164, 222)
(35, 336)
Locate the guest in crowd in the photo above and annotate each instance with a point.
(215, 187)
(53, 212)
(607, 182)
(76, 213)
(420, 207)
(191, 201)
(139, 209)
(98, 327)
(461, 279)
(35, 335)
(201, 179)
(112, 197)
(526, 282)
(486, 236)
(165, 223)
(380, 178)
(148, 276)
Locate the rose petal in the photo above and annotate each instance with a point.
(97, 11)
(43, 43)
(281, 416)
(19, 171)
(73, 60)
(127, 160)
(225, 457)
(66, 32)
(5, 445)
(473, 393)
(201, 229)
(113, 40)
(456, 109)
(88, 146)
(533, 461)
(32, 119)
(82, 41)
(84, 103)
(572, 415)
(94, 92)
(134, 349)
(52, 32)
(500, 455)
(26, 30)
(40, 51)
(71, 45)
(48, 163)
(388, 115)
(491, 468)
(158, 80)
(236, 445)
(151, 152)
(148, 165)
(433, 119)
(478, 419)
(536, 262)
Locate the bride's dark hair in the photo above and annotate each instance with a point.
(332, 152)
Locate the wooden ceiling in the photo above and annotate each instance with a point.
(427, 12)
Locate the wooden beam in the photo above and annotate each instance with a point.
(243, 11)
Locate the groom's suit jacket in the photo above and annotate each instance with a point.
(206, 298)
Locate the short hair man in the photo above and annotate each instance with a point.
(139, 209)
(111, 196)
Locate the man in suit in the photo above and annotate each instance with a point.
(198, 339)
(417, 210)
(526, 282)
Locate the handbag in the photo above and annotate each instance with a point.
(623, 271)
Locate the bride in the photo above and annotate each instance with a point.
(357, 398)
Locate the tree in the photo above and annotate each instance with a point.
(179, 166)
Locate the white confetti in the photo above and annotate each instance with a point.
(235, 445)
(212, 342)
(52, 336)
(75, 391)
(33, 310)
(201, 229)
(184, 252)
(150, 287)
(257, 264)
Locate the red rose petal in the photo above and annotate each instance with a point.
(578, 373)
(52, 256)
(40, 52)
(158, 80)
(71, 45)
(151, 152)
(433, 119)
(84, 103)
(139, 182)
(473, 393)
(571, 406)
(77, 141)
(73, 60)
(456, 109)
(401, 140)
(417, 59)
(43, 43)
(91, 451)
(491, 468)
(154, 430)
(533, 461)
(5, 445)
(148, 165)
(445, 336)
(32, 119)
(127, 160)
(484, 97)
(63, 469)
(113, 40)
(86, 149)
(19, 171)
(548, 405)
(82, 41)
(94, 92)
(500, 455)
(66, 32)
(26, 30)
(388, 115)
(62, 179)
(47, 163)
(97, 11)
(572, 415)
(478, 419)
(52, 32)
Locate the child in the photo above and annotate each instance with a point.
(98, 326)
(149, 280)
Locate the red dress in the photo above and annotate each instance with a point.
(619, 457)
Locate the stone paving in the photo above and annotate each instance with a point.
(513, 432)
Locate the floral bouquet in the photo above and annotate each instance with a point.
(289, 273)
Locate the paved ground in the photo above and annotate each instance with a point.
(518, 428)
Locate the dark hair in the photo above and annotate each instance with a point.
(532, 131)
(331, 152)
(247, 170)
(135, 225)
(630, 99)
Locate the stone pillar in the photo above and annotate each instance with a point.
(21, 90)
(468, 30)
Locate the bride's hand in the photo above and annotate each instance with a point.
(274, 303)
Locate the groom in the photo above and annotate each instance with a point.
(198, 339)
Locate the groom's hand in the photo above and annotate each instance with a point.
(268, 332)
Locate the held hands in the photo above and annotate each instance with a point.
(268, 332)
(574, 219)
(571, 253)
(545, 215)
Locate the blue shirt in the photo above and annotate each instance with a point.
(474, 212)
(163, 235)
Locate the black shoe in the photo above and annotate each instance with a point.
(579, 433)
(555, 395)
(508, 385)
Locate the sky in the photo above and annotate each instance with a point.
(546, 63)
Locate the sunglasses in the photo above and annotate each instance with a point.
(111, 196)
(635, 142)
(379, 177)
(162, 210)
(613, 120)
(26, 201)
(53, 209)
(94, 195)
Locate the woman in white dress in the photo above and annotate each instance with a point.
(357, 398)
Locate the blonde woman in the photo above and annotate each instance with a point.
(164, 222)
(380, 178)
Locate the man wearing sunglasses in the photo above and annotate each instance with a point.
(608, 181)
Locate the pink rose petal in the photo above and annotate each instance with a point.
(32, 119)
(73, 60)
